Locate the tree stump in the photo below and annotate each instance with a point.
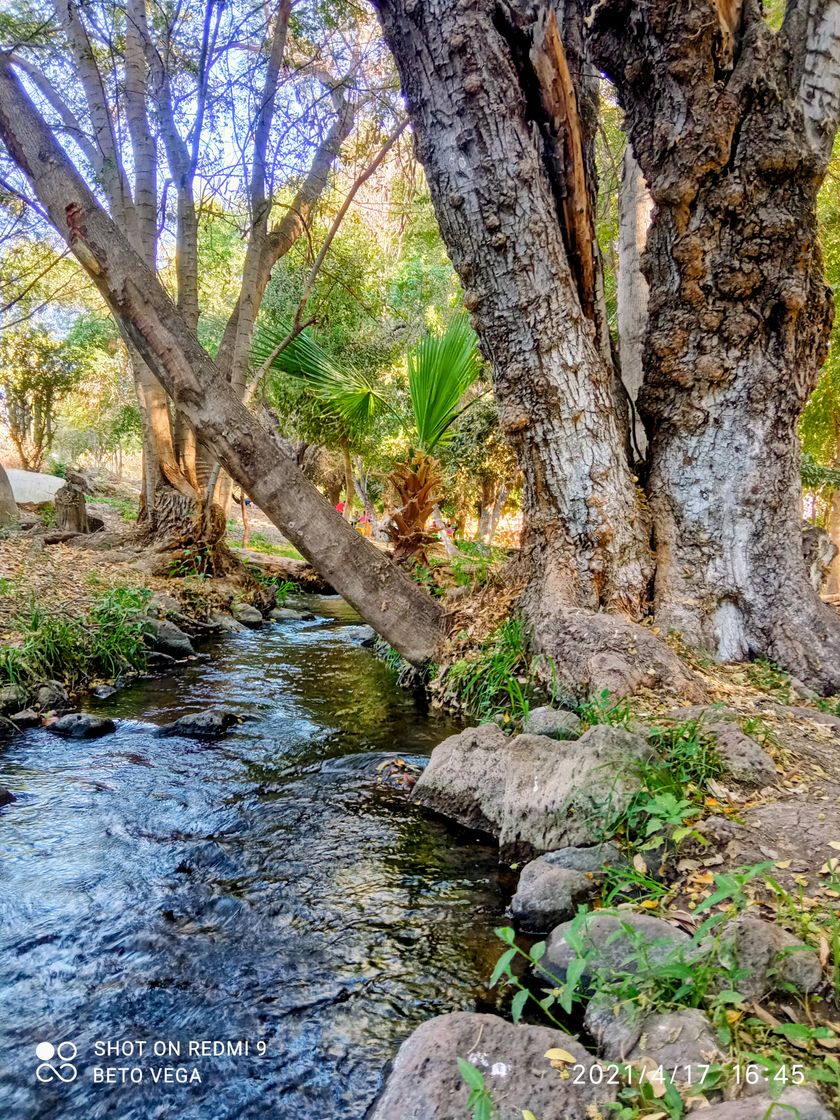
(70, 510)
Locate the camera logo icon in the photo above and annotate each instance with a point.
(56, 1062)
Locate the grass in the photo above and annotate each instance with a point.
(500, 679)
(127, 509)
(108, 641)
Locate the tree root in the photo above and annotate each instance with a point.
(587, 653)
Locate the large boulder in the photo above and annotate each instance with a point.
(201, 725)
(552, 886)
(425, 1083)
(81, 725)
(165, 637)
(534, 793)
(613, 943)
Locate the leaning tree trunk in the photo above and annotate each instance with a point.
(504, 126)
(733, 134)
(398, 609)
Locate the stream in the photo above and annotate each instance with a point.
(263, 892)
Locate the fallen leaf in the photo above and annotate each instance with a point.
(555, 1054)
(835, 844)
(639, 864)
(825, 950)
(783, 864)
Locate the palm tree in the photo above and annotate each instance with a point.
(441, 368)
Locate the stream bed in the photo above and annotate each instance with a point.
(263, 893)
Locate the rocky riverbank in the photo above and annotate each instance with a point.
(682, 869)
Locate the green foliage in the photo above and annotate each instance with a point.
(770, 678)
(674, 785)
(194, 560)
(441, 368)
(500, 679)
(480, 1100)
(56, 646)
(602, 709)
(37, 370)
(283, 588)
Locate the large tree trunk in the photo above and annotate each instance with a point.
(505, 140)
(504, 155)
(733, 134)
(399, 610)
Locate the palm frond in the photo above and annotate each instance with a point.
(440, 370)
(344, 391)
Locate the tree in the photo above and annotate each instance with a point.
(37, 370)
(732, 124)
(399, 610)
(180, 89)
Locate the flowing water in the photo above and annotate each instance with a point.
(264, 889)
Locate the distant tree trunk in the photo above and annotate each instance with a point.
(349, 484)
(9, 514)
(497, 511)
(397, 608)
(634, 212)
(733, 126)
(485, 510)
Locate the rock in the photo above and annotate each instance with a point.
(6, 796)
(165, 637)
(549, 895)
(162, 605)
(554, 723)
(81, 725)
(671, 1039)
(52, 695)
(246, 614)
(425, 1083)
(286, 614)
(771, 958)
(534, 793)
(745, 760)
(27, 718)
(794, 1102)
(367, 637)
(225, 622)
(12, 697)
(614, 942)
(157, 660)
(201, 725)
(551, 886)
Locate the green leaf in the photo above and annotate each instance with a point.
(518, 1004)
(473, 1077)
(506, 934)
(440, 370)
(502, 966)
(538, 951)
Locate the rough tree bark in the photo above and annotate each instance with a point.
(398, 609)
(501, 134)
(732, 125)
(634, 212)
